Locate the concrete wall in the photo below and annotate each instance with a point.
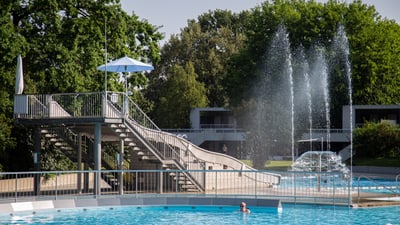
(126, 201)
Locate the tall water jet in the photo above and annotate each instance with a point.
(272, 124)
(309, 101)
(341, 44)
(320, 95)
(287, 71)
(290, 75)
(303, 99)
(325, 88)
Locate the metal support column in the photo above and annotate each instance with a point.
(121, 167)
(79, 166)
(97, 158)
(36, 160)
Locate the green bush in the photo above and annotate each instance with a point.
(377, 140)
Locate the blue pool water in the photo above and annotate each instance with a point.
(290, 214)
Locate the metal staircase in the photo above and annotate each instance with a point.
(113, 117)
(66, 140)
(147, 145)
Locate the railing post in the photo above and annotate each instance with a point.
(104, 104)
(16, 187)
(56, 189)
(255, 185)
(160, 179)
(349, 186)
(79, 174)
(397, 185)
(334, 189)
(216, 183)
(176, 181)
(136, 182)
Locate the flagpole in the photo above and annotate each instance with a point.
(105, 47)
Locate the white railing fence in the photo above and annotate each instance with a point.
(331, 188)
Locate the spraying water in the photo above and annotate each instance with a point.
(342, 44)
(272, 120)
(290, 75)
(306, 91)
(278, 102)
(325, 88)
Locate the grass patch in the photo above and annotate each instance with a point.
(278, 164)
(247, 162)
(384, 162)
(272, 164)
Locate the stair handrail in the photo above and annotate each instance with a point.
(148, 130)
(145, 122)
(113, 98)
(145, 139)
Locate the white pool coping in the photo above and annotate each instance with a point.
(126, 201)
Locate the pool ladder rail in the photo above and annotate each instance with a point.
(366, 200)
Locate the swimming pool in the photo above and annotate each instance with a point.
(289, 214)
(381, 185)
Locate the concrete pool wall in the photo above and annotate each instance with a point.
(129, 201)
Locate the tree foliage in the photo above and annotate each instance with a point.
(62, 43)
(179, 94)
(207, 44)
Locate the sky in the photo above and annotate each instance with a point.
(173, 15)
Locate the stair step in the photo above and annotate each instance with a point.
(186, 186)
(122, 135)
(129, 139)
(66, 148)
(136, 148)
(59, 144)
(148, 157)
(131, 144)
(119, 130)
(54, 139)
(48, 135)
(117, 125)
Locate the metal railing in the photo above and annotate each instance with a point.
(377, 185)
(332, 131)
(331, 188)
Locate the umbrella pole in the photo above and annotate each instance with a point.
(126, 103)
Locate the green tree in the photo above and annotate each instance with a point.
(179, 94)
(11, 45)
(377, 140)
(62, 44)
(207, 43)
(376, 69)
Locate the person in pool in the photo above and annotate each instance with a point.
(243, 208)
